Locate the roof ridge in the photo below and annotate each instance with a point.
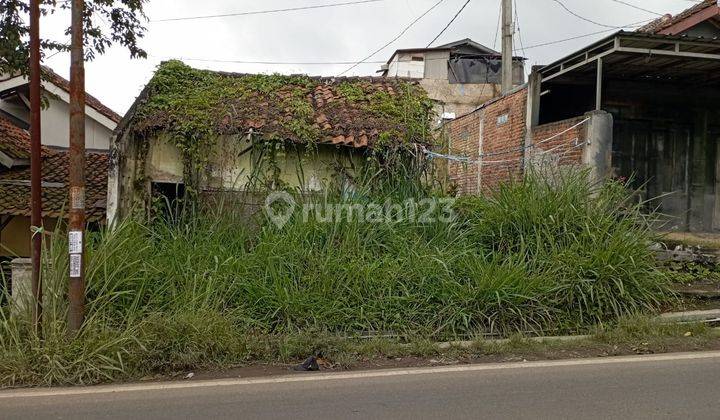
(90, 100)
(669, 19)
(313, 109)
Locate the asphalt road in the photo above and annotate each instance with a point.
(649, 387)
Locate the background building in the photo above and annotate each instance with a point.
(459, 76)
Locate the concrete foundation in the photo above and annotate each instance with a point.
(22, 298)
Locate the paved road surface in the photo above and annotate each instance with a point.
(649, 387)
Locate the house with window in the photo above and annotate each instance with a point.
(642, 106)
(459, 76)
(231, 134)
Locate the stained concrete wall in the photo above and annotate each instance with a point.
(231, 166)
(460, 99)
(597, 154)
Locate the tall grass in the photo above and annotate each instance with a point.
(536, 256)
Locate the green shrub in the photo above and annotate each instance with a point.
(537, 256)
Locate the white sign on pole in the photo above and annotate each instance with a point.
(75, 265)
(75, 242)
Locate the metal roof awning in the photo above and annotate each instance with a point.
(632, 55)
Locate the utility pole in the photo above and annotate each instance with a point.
(76, 155)
(508, 31)
(35, 165)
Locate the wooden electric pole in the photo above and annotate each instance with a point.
(35, 165)
(76, 155)
(507, 46)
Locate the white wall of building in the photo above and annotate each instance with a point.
(55, 117)
(403, 65)
(56, 128)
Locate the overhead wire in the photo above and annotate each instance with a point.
(499, 21)
(265, 12)
(271, 63)
(634, 6)
(449, 23)
(567, 9)
(517, 26)
(559, 41)
(354, 64)
(387, 44)
(522, 49)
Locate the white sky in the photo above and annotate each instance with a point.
(347, 33)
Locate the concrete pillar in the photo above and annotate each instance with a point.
(597, 154)
(532, 115)
(22, 298)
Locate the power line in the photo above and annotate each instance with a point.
(559, 41)
(582, 17)
(449, 23)
(517, 23)
(407, 28)
(299, 63)
(320, 63)
(637, 7)
(497, 30)
(265, 12)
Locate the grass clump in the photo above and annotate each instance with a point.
(212, 290)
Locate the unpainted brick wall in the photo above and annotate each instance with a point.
(464, 140)
(503, 140)
(564, 150)
(497, 131)
(501, 124)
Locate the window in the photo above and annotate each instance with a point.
(168, 200)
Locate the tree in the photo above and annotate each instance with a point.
(105, 22)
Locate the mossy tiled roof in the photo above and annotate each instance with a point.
(353, 112)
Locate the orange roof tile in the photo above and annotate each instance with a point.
(668, 20)
(15, 142)
(335, 117)
(15, 187)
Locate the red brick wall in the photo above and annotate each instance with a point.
(565, 149)
(501, 123)
(503, 141)
(464, 138)
(497, 131)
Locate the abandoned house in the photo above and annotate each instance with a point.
(224, 132)
(643, 106)
(459, 76)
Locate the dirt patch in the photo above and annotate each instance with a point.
(710, 241)
(506, 353)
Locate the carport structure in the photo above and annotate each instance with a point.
(664, 95)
